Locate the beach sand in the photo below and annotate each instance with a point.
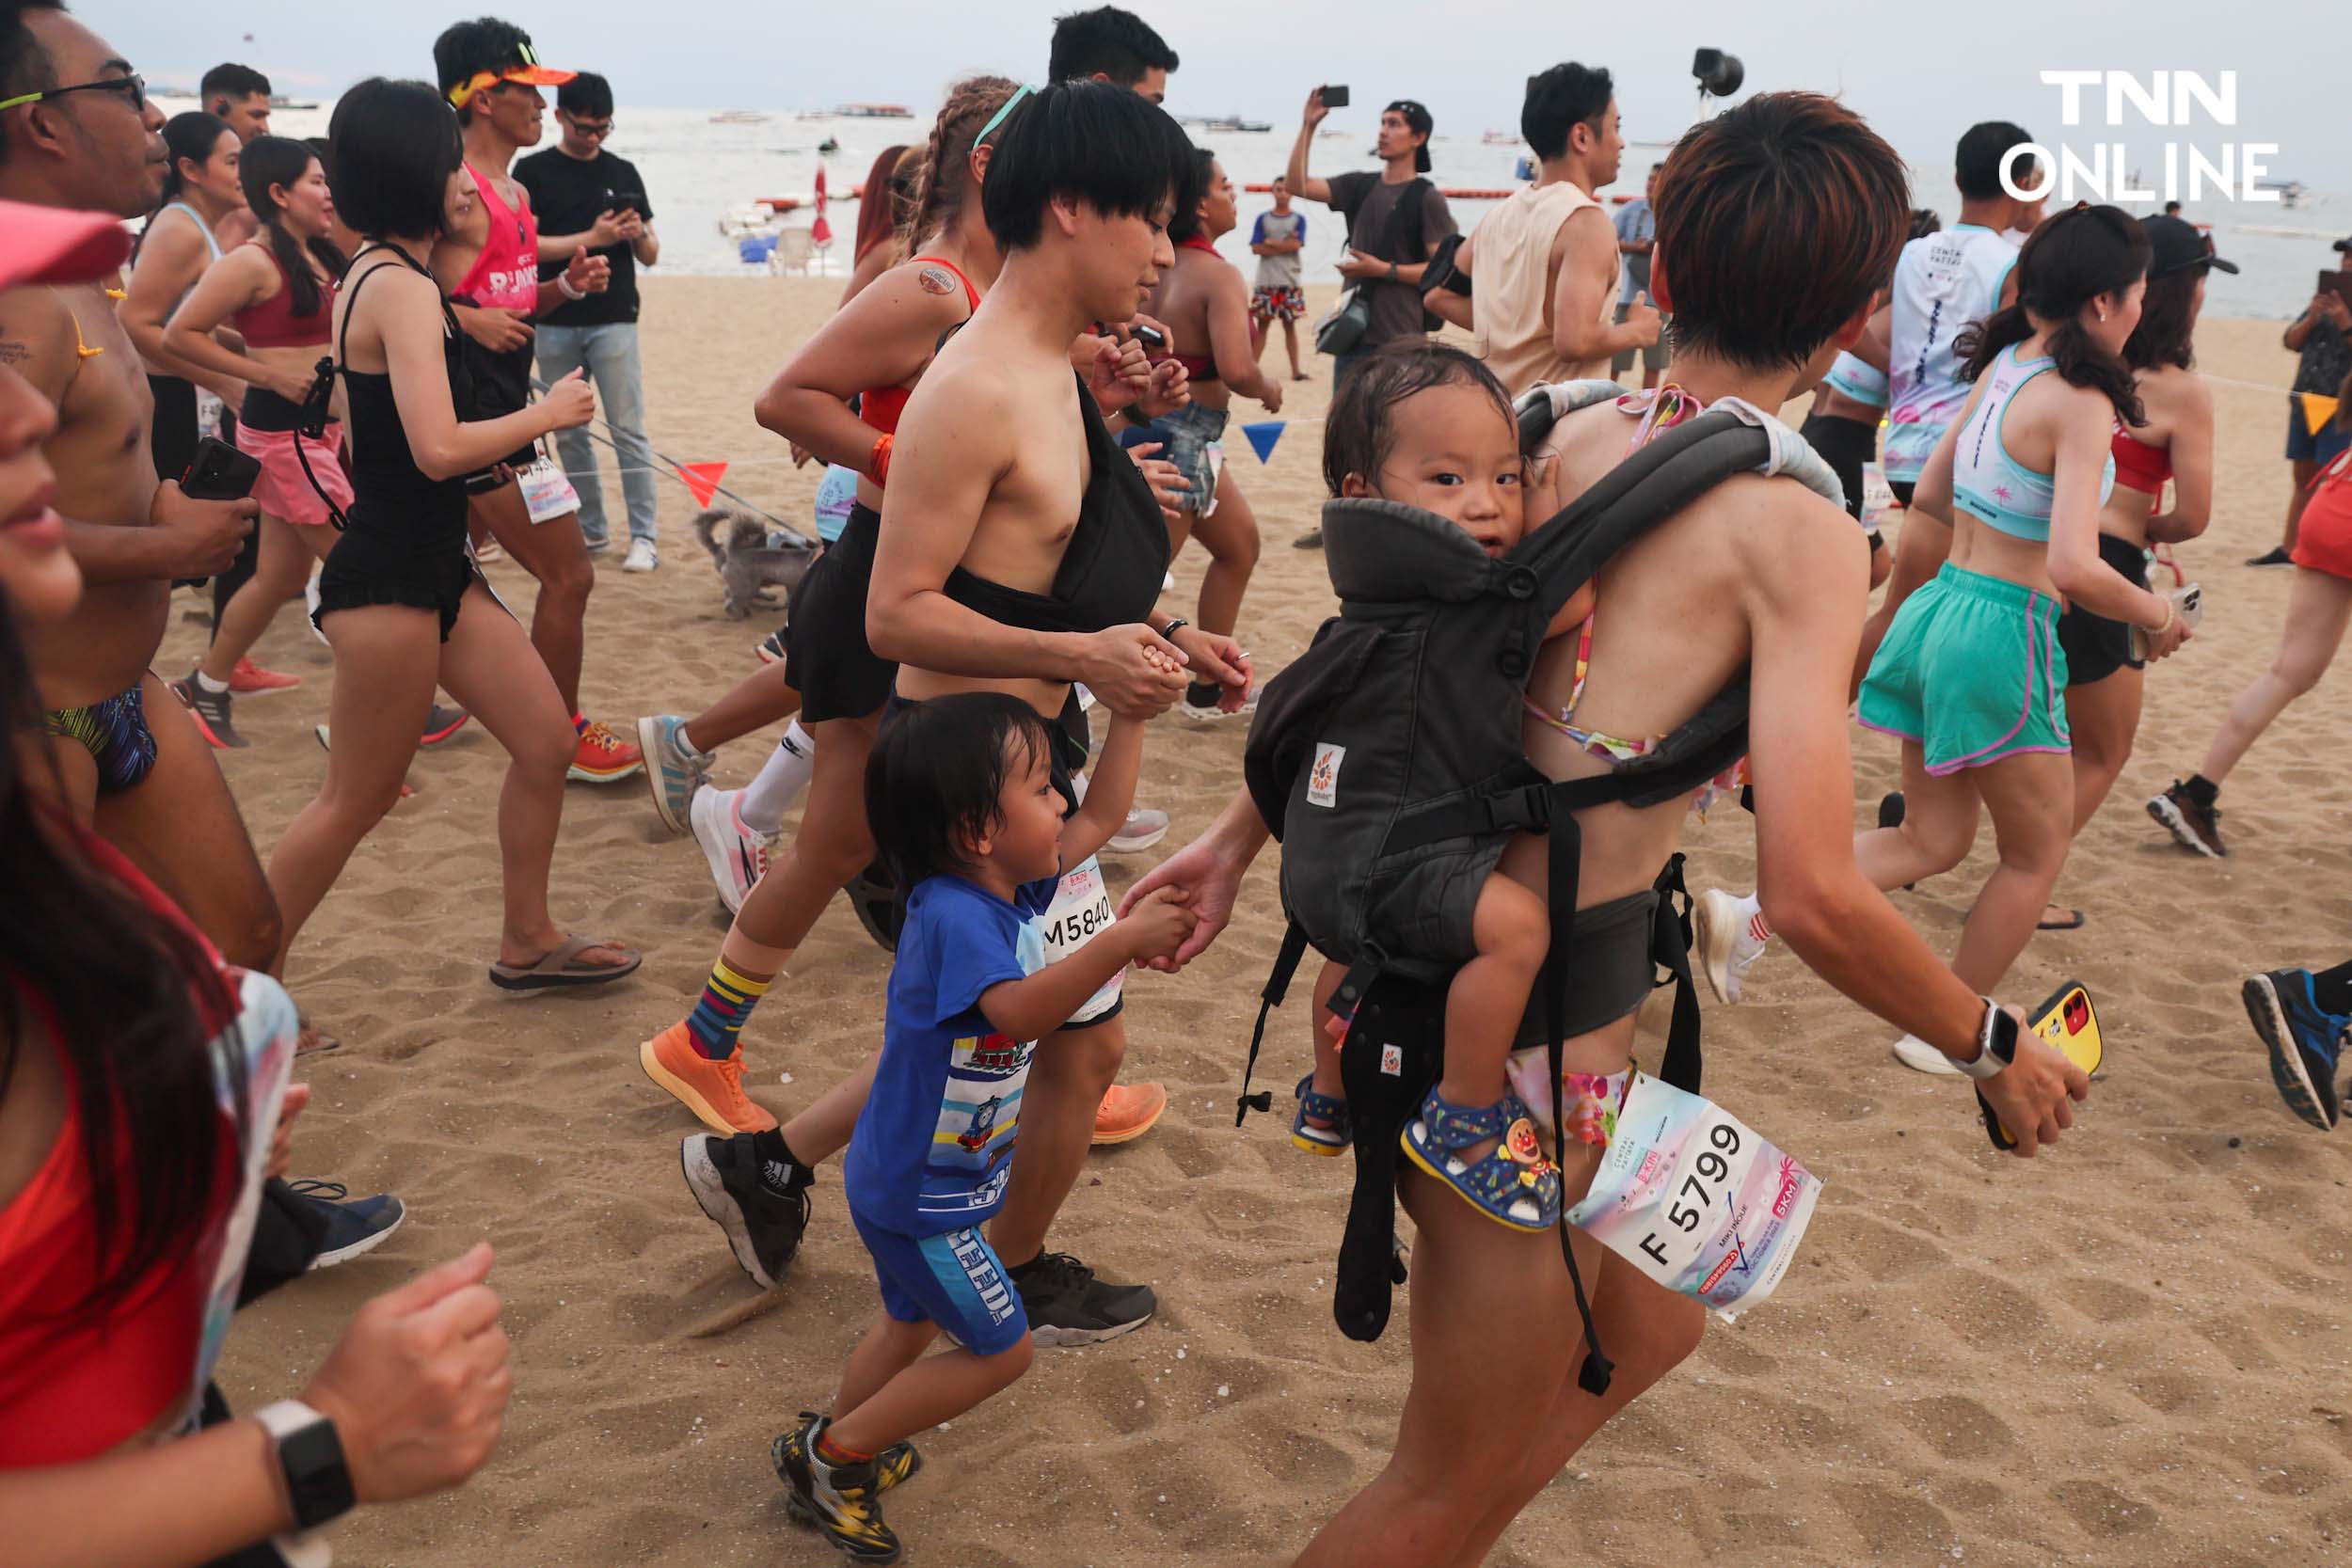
(2132, 1351)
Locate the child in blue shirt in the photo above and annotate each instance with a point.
(970, 812)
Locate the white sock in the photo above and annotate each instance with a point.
(783, 779)
(206, 683)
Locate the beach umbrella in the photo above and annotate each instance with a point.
(820, 232)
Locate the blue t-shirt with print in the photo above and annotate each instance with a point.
(934, 1147)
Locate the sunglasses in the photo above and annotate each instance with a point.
(133, 88)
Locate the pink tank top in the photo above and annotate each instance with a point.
(505, 277)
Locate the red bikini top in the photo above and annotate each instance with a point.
(881, 406)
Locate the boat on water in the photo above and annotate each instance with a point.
(875, 111)
(829, 145)
(739, 117)
(2292, 193)
(1500, 139)
(1225, 122)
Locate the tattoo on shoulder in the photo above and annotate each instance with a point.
(936, 280)
(13, 352)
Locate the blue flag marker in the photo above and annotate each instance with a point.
(1263, 436)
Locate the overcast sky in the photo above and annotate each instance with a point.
(1920, 71)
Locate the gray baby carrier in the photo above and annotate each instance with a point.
(1387, 761)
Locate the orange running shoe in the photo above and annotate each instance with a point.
(250, 679)
(713, 1090)
(604, 757)
(1128, 1111)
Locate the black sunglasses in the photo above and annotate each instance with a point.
(135, 87)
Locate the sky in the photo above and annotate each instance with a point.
(1919, 73)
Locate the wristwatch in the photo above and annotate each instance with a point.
(318, 1482)
(1175, 625)
(1392, 272)
(1996, 1040)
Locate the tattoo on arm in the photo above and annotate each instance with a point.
(936, 280)
(13, 352)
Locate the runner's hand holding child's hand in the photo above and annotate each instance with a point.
(1157, 925)
(1133, 671)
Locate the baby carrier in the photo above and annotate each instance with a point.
(1388, 760)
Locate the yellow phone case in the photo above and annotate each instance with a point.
(2067, 1021)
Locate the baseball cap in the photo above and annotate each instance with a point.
(530, 72)
(1418, 118)
(2179, 246)
(59, 245)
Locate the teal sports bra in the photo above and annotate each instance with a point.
(1997, 489)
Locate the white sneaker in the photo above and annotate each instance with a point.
(641, 557)
(1143, 828)
(1728, 944)
(1919, 1056)
(738, 856)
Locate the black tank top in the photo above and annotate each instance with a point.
(1111, 573)
(387, 487)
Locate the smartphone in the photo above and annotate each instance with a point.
(2068, 1022)
(1334, 98)
(630, 201)
(2336, 283)
(1151, 337)
(220, 472)
(2188, 602)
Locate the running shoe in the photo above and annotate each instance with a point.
(2275, 556)
(770, 647)
(1068, 1305)
(1209, 713)
(250, 679)
(2195, 827)
(762, 1205)
(642, 556)
(1919, 1056)
(442, 722)
(843, 1501)
(2305, 1042)
(713, 1090)
(209, 709)
(1128, 1111)
(354, 1224)
(1143, 828)
(1723, 928)
(738, 856)
(673, 769)
(604, 757)
(895, 1464)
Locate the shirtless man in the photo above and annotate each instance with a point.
(1021, 555)
(78, 131)
(489, 72)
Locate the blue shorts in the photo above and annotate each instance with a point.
(955, 1280)
(1194, 442)
(2304, 447)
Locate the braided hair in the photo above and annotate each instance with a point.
(944, 174)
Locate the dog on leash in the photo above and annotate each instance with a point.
(749, 561)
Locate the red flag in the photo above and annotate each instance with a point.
(820, 232)
(702, 479)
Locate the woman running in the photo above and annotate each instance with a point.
(876, 348)
(400, 600)
(278, 291)
(1204, 302)
(180, 241)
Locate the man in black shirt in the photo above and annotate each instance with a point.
(1395, 219)
(588, 199)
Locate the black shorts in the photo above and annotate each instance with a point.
(1845, 445)
(826, 656)
(1902, 488)
(2095, 646)
(375, 563)
(501, 385)
(172, 438)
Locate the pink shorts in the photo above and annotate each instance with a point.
(282, 489)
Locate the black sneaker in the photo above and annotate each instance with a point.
(2275, 556)
(2196, 827)
(2305, 1041)
(1068, 1305)
(842, 1501)
(762, 1205)
(354, 1224)
(209, 709)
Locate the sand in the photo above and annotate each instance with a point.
(2130, 1352)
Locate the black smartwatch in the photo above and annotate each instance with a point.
(1997, 1039)
(1168, 633)
(310, 1455)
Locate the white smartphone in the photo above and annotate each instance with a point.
(2188, 602)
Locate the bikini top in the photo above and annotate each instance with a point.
(1197, 367)
(1997, 490)
(2140, 466)
(1118, 555)
(383, 469)
(883, 406)
(273, 324)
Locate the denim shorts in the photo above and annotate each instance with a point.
(1193, 442)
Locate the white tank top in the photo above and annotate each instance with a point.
(1943, 282)
(1511, 269)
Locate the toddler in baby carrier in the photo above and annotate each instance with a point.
(1389, 761)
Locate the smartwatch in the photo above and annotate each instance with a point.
(1168, 633)
(318, 1482)
(1996, 1041)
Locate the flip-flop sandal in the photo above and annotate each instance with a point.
(310, 1042)
(2074, 921)
(562, 968)
(1514, 1185)
(1327, 1141)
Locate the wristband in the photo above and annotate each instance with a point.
(564, 287)
(2170, 613)
(878, 461)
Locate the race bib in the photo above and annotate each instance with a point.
(1878, 496)
(1691, 1195)
(546, 493)
(1081, 911)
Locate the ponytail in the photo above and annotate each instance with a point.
(945, 168)
(2070, 260)
(191, 137)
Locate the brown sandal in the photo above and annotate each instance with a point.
(561, 967)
